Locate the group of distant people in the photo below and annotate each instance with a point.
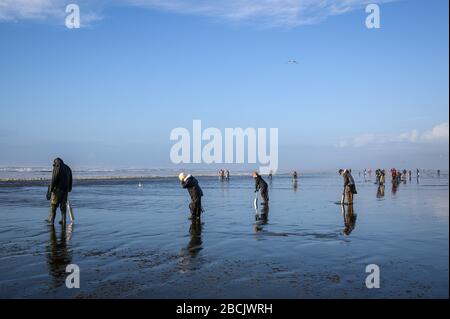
(61, 185)
(224, 175)
(397, 176)
(401, 176)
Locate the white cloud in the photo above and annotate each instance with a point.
(439, 133)
(264, 12)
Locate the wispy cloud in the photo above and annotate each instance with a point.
(264, 12)
(439, 133)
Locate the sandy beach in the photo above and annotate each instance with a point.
(132, 242)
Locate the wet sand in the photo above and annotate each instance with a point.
(132, 242)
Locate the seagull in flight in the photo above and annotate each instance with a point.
(293, 62)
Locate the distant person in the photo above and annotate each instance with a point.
(349, 186)
(382, 176)
(379, 173)
(227, 175)
(439, 173)
(404, 176)
(377, 176)
(295, 175)
(261, 185)
(417, 173)
(409, 175)
(399, 177)
(270, 175)
(59, 189)
(394, 175)
(191, 184)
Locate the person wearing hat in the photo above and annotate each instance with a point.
(349, 186)
(191, 184)
(59, 189)
(261, 185)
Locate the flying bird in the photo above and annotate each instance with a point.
(293, 62)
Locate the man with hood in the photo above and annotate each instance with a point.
(191, 184)
(59, 189)
(261, 185)
(349, 186)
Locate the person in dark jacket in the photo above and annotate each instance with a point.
(261, 185)
(191, 184)
(60, 187)
(349, 186)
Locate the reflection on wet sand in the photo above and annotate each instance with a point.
(394, 188)
(189, 253)
(58, 254)
(295, 185)
(349, 219)
(261, 218)
(380, 191)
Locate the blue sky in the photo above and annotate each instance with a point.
(109, 93)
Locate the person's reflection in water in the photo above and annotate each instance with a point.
(261, 218)
(190, 253)
(58, 254)
(349, 219)
(295, 185)
(380, 191)
(394, 187)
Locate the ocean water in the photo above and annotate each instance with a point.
(137, 242)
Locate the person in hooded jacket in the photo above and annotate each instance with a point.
(190, 183)
(59, 189)
(261, 185)
(349, 186)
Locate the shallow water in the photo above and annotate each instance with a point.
(137, 242)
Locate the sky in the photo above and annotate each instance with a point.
(109, 93)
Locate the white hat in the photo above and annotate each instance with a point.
(182, 176)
